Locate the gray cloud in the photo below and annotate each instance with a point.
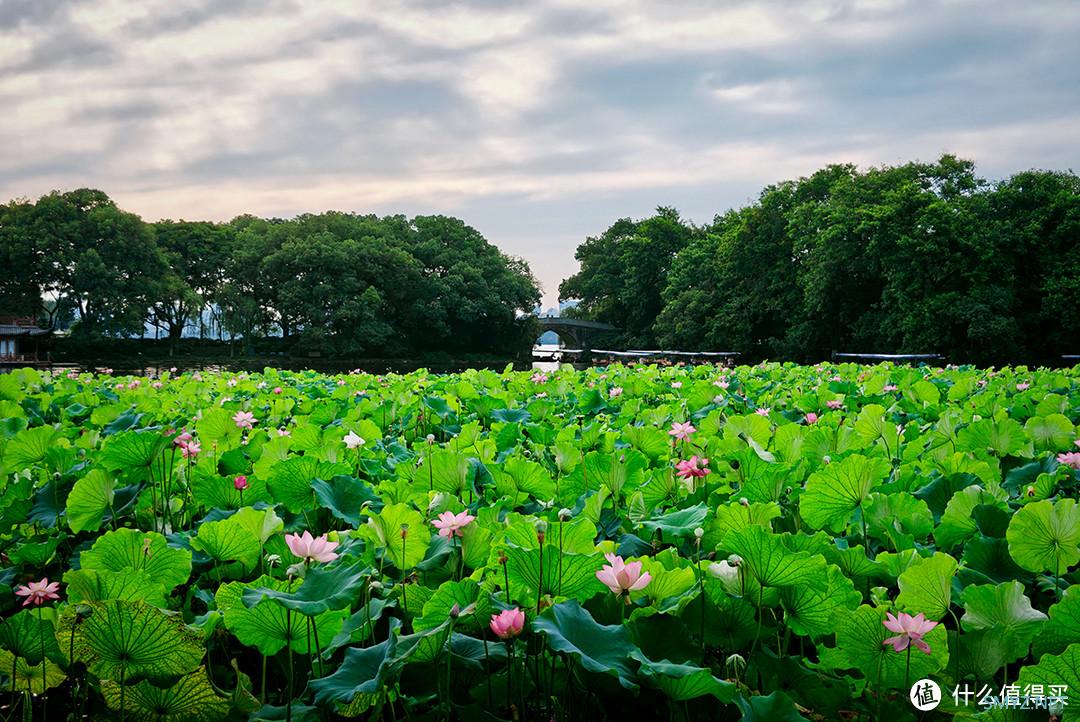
(537, 122)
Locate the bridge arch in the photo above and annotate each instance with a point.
(576, 333)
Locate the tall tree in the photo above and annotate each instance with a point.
(624, 272)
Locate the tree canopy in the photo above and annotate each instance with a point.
(914, 258)
(342, 283)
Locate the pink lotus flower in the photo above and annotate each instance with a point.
(284, 432)
(909, 630)
(722, 383)
(240, 482)
(38, 593)
(890, 387)
(1071, 459)
(508, 623)
(277, 389)
(244, 419)
(693, 468)
(450, 524)
(191, 449)
(232, 382)
(835, 377)
(615, 392)
(682, 431)
(622, 578)
(1023, 386)
(811, 418)
(183, 438)
(763, 411)
(834, 403)
(539, 378)
(353, 440)
(312, 549)
(676, 384)
(157, 385)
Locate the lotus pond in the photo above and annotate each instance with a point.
(693, 543)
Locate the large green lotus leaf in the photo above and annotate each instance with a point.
(667, 582)
(385, 529)
(775, 707)
(1062, 628)
(565, 575)
(29, 676)
(1062, 670)
(835, 492)
(219, 492)
(924, 393)
(677, 524)
(530, 478)
(344, 496)
(957, 524)
(991, 558)
(132, 449)
(732, 517)
(120, 640)
(424, 646)
(442, 470)
(649, 440)
(29, 447)
(1001, 437)
(89, 499)
(926, 586)
(900, 519)
(574, 537)
(464, 593)
(768, 561)
(233, 539)
(267, 625)
(809, 608)
(290, 481)
(189, 699)
(272, 453)
(681, 682)
(873, 428)
(860, 645)
(1005, 609)
(358, 627)
(750, 426)
(603, 649)
(98, 585)
(1045, 536)
(364, 671)
(1053, 432)
(133, 549)
(24, 634)
(323, 589)
(217, 425)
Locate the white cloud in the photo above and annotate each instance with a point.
(502, 110)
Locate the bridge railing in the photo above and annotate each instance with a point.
(890, 356)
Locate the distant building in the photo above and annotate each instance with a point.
(19, 337)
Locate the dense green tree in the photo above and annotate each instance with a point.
(197, 256)
(98, 260)
(624, 272)
(919, 257)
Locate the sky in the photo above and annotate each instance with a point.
(539, 123)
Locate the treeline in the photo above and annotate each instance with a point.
(915, 258)
(340, 283)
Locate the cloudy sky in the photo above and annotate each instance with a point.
(537, 122)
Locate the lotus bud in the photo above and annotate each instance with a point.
(1031, 491)
(375, 585)
(735, 664)
(744, 501)
(455, 611)
(296, 570)
(541, 529)
(698, 533)
(734, 560)
(565, 514)
(430, 439)
(404, 531)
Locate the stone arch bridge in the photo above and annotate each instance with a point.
(574, 332)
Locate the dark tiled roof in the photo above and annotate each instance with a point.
(10, 329)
